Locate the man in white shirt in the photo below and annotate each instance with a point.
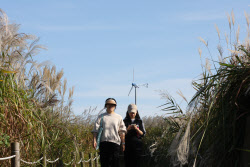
(112, 135)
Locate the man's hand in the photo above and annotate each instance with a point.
(122, 136)
(123, 147)
(94, 140)
(94, 144)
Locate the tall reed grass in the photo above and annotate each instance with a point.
(34, 107)
(214, 130)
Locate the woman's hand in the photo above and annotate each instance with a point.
(135, 126)
(129, 127)
(139, 131)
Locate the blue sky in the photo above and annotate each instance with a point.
(98, 43)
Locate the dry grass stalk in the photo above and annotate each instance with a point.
(220, 49)
(64, 86)
(233, 18)
(200, 51)
(208, 66)
(247, 43)
(226, 38)
(247, 18)
(238, 34)
(218, 31)
(229, 21)
(203, 41)
(220, 57)
(235, 52)
(179, 92)
(71, 92)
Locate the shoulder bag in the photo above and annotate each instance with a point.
(99, 135)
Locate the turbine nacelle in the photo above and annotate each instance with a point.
(133, 84)
(137, 86)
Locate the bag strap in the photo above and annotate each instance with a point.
(101, 121)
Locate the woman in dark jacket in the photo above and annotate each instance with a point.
(135, 132)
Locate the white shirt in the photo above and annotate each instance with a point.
(132, 120)
(113, 125)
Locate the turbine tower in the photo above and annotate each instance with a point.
(134, 85)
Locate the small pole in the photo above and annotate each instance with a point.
(73, 156)
(91, 164)
(96, 159)
(15, 162)
(82, 156)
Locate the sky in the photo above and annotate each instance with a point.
(99, 44)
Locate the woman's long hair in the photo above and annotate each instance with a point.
(137, 116)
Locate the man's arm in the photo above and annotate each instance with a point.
(95, 130)
(122, 136)
(122, 131)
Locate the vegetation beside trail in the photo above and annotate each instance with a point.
(214, 130)
(34, 108)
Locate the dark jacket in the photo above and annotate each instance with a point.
(132, 134)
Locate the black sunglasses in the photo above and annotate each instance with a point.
(111, 105)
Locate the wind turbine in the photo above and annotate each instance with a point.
(134, 85)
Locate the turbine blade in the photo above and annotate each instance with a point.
(130, 90)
